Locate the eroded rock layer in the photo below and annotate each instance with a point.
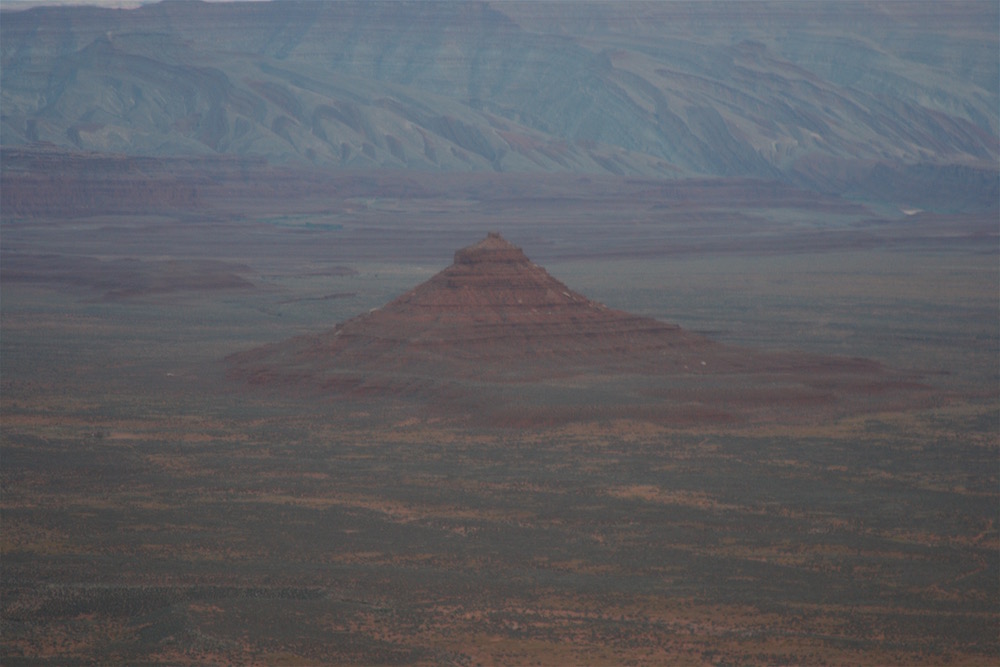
(493, 314)
(494, 323)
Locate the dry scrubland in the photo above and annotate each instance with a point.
(186, 181)
(155, 512)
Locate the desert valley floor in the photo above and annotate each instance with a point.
(158, 511)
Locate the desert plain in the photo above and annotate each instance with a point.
(157, 510)
(511, 333)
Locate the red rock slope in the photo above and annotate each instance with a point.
(494, 315)
(494, 318)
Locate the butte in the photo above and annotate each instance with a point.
(495, 337)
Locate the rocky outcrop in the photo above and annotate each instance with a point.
(494, 322)
(492, 315)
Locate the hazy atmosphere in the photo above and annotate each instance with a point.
(508, 333)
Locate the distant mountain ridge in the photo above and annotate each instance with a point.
(813, 94)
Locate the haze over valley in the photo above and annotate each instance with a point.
(553, 333)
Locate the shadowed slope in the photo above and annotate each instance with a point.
(840, 97)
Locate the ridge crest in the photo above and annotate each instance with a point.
(493, 248)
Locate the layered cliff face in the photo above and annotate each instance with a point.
(814, 94)
(492, 315)
(494, 319)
